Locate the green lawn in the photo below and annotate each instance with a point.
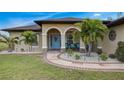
(32, 67)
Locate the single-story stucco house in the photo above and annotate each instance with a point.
(55, 34)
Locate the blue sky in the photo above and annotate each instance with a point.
(13, 19)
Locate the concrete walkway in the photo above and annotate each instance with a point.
(52, 58)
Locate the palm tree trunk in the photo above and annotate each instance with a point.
(89, 49)
(31, 48)
(9, 47)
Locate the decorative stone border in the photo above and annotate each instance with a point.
(79, 62)
(79, 68)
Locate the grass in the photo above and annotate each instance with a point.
(32, 67)
(3, 46)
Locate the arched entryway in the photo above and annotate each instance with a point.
(53, 39)
(69, 43)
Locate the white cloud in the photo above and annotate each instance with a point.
(97, 14)
(15, 22)
(48, 16)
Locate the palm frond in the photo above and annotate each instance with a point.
(76, 36)
(2, 41)
(92, 29)
(4, 37)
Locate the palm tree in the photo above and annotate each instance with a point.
(29, 37)
(92, 30)
(10, 41)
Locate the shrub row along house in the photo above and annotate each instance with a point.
(56, 34)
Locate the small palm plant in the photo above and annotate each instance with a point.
(92, 30)
(10, 41)
(29, 37)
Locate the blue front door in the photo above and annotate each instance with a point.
(55, 42)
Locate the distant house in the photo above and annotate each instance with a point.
(55, 34)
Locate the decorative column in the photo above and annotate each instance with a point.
(44, 42)
(40, 41)
(62, 42)
(82, 46)
(38, 35)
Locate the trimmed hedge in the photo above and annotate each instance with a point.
(120, 51)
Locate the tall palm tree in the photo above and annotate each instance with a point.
(92, 30)
(29, 37)
(10, 41)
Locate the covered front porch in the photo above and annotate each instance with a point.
(55, 39)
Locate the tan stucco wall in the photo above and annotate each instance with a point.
(110, 46)
(15, 34)
(60, 27)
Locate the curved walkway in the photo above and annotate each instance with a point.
(52, 58)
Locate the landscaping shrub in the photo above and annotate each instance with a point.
(99, 51)
(103, 56)
(112, 56)
(70, 52)
(22, 50)
(120, 51)
(77, 56)
(3, 46)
